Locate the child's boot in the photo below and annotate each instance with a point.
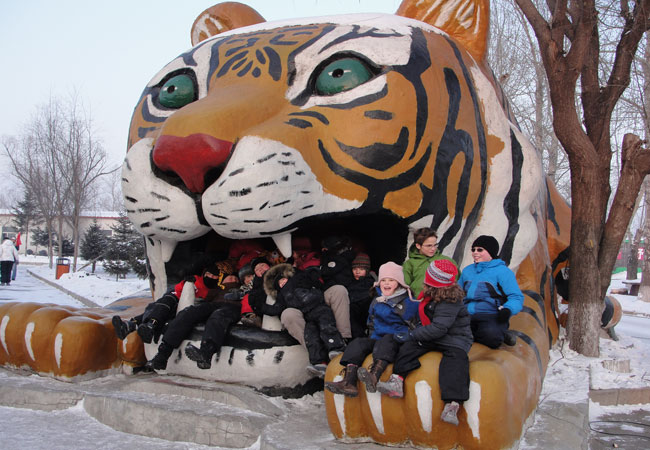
(147, 330)
(371, 376)
(159, 362)
(348, 385)
(123, 327)
(201, 356)
(393, 387)
(449, 413)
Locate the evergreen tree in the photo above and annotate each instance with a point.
(26, 215)
(125, 250)
(93, 244)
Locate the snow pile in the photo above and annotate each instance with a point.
(100, 287)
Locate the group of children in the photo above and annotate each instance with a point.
(334, 304)
(445, 317)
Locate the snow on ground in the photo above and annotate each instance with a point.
(100, 287)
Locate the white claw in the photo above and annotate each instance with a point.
(283, 243)
(167, 250)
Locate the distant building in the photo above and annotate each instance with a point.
(105, 219)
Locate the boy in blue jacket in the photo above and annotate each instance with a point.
(492, 294)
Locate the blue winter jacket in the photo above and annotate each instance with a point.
(489, 285)
(396, 314)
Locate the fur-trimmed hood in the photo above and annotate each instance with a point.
(273, 275)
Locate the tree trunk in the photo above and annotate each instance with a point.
(633, 256)
(586, 306)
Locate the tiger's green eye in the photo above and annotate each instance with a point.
(342, 75)
(177, 92)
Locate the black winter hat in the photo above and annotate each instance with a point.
(259, 260)
(489, 243)
(245, 271)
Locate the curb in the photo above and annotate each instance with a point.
(623, 396)
(78, 297)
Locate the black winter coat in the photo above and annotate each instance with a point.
(450, 325)
(360, 290)
(336, 268)
(301, 292)
(257, 300)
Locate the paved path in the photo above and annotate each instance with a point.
(27, 288)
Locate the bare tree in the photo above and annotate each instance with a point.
(569, 43)
(58, 159)
(515, 59)
(82, 161)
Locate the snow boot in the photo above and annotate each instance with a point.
(123, 327)
(317, 370)
(159, 362)
(334, 353)
(201, 356)
(393, 387)
(147, 331)
(348, 385)
(509, 338)
(449, 413)
(371, 376)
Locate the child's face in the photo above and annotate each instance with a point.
(428, 247)
(388, 286)
(261, 268)
(359, 272)
(248, 279)
(282, 282)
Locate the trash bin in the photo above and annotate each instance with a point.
(62, 266)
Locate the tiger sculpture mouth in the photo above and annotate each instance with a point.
(310, 128)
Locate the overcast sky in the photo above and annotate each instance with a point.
(107, 52)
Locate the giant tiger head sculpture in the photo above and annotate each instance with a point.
(364, 125)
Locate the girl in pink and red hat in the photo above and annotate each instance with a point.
(445, 328)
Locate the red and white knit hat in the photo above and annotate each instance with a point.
(441, 273)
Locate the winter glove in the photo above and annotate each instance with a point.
(503, 315)
(402, 337)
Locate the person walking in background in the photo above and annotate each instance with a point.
(8, 256)
(422, 253)
(492, 294)
(14, 269)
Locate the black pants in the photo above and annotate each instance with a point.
(5, 271)
(359, 317)
(218, 317)
(487, 330)
(321, 334)
(161, 311)
(385, 348)
(453, 374)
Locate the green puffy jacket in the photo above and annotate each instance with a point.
(416, 266)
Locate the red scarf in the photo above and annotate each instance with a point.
(424, 301)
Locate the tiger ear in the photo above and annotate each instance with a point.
(468, 21)
(223, 17)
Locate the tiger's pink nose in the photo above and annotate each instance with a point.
(191, 157)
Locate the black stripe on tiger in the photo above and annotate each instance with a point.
(511, 201)
(472, 218)
(524, 337)
(453, 141)
(378, 188)
(379, 156)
